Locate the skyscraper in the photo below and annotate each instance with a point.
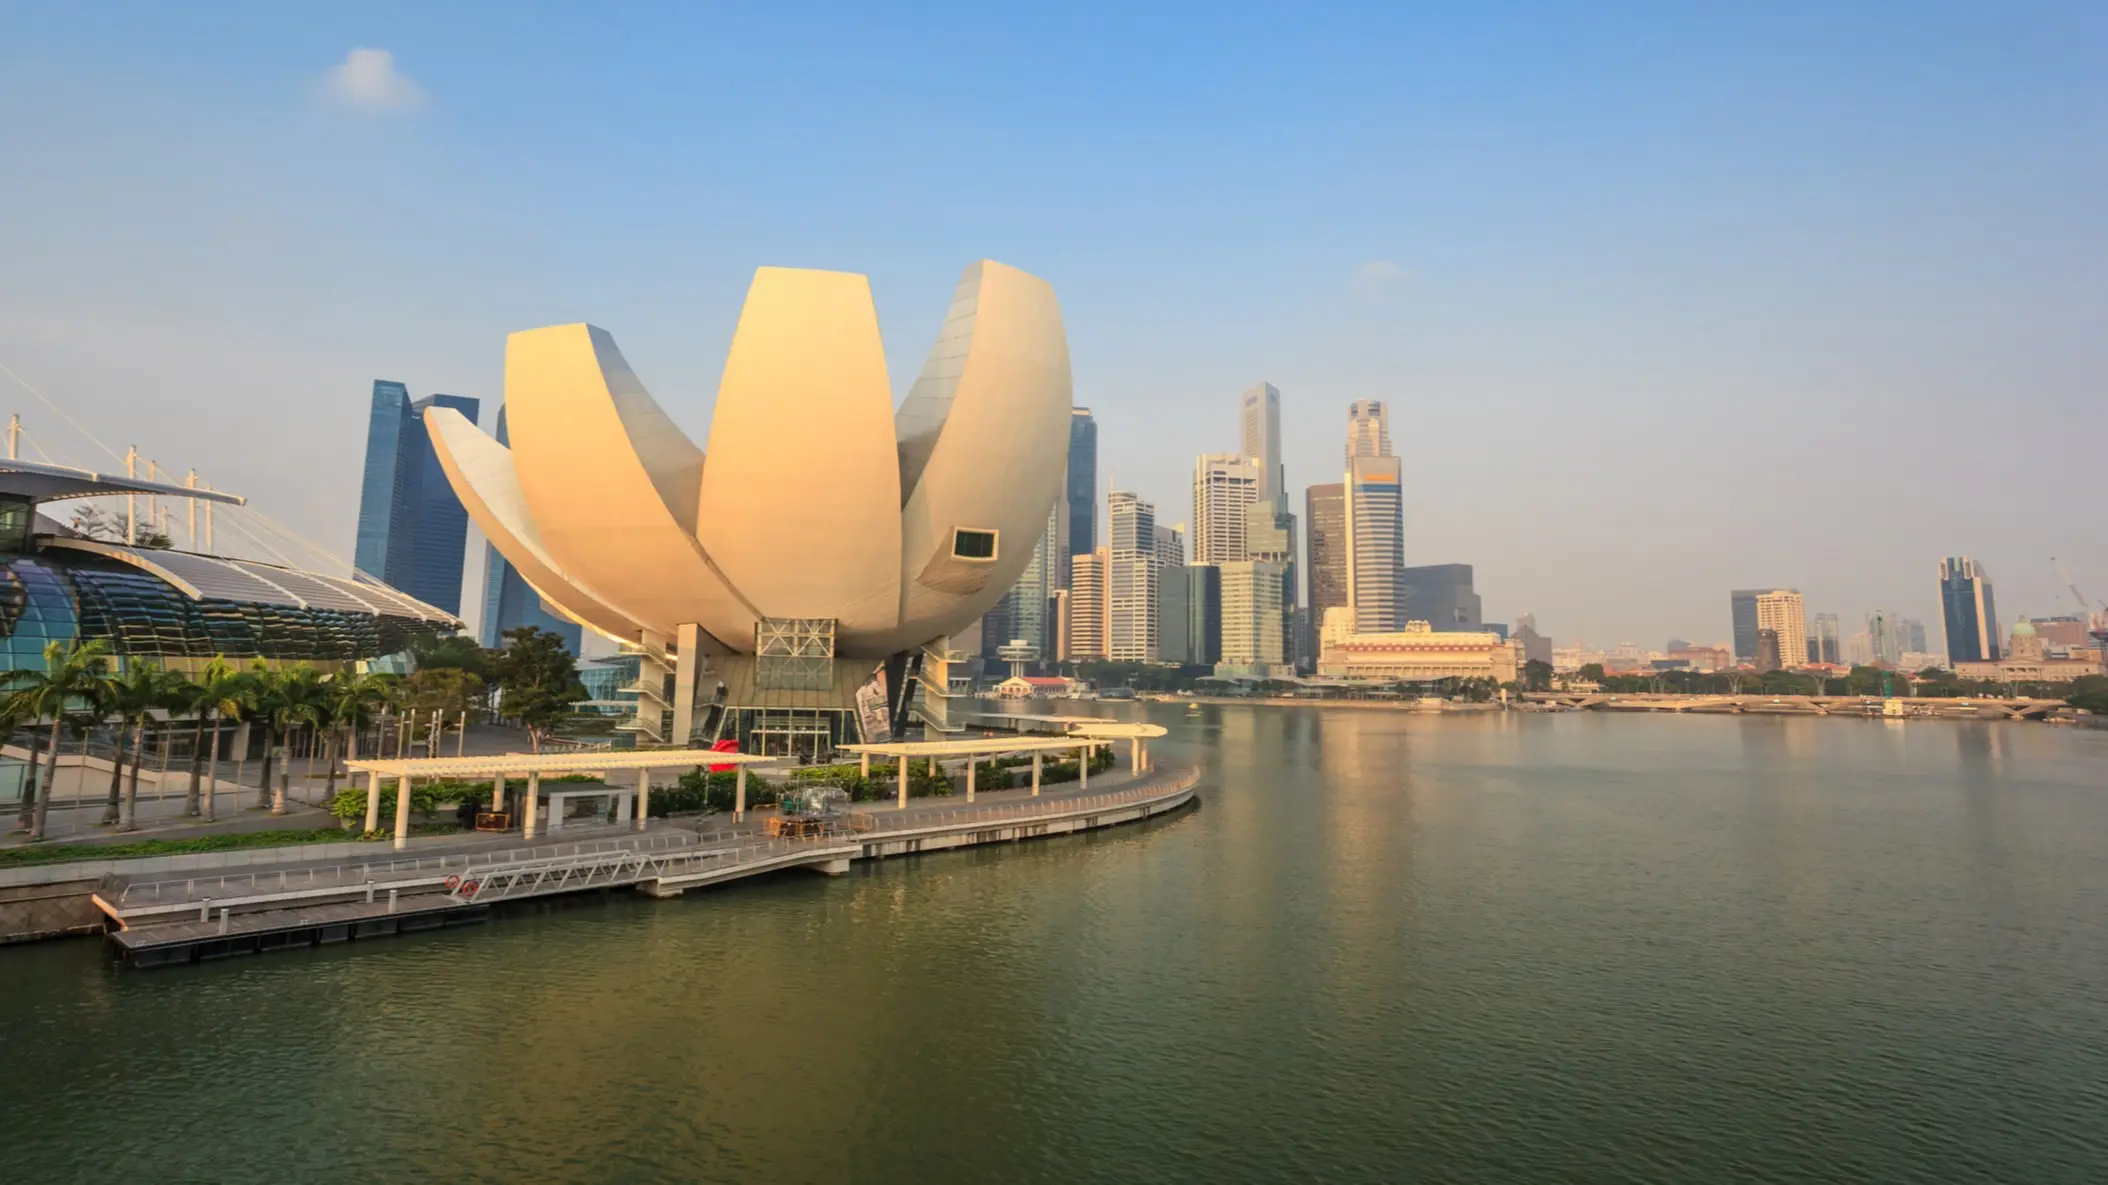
(1442, 596)
(1021, 616)
(1131, 579)
(1742, 608)
(1261, 423)
(1224, 484)
(509, 603)
(1823, 642)
(1375, 545)
(1324, 553)
(1088, 625)
(1368, 429)
(1782, 612)
(1970, 614)
(413, 530)
(1083, 482)
(1251, 617)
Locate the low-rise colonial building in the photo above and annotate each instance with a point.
(1418, 653)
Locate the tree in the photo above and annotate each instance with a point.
(1536, 675)
(2090, 693)
(300, 698)
(266, 704)
(537, 682)
(93, 523)
(1592, 673)
(450, 691)
(73, 673)
(353, 700)
(218, 694)
(456, 652)
(134, 697)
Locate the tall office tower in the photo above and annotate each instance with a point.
(1325, 554)
(1223, 485)
(1082, 489)
(1058, 625)
(1189, 615)
(1251, 615)
(1823, 643)
(1261, 422)
(1889, 631)
(1742, 607)
(1021, 616)
(1442, 596)
(1368, 429)
(1858, 650)
(1088, 624)
(413, 531)
(1538, 648)
(1131, 579)
(1375, 545)
(1782, 612)
(1270, 536)
(1914, 636)
(1171, 546)
(1966, 605)
(509, 603)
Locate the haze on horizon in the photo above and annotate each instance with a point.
(1664, 303)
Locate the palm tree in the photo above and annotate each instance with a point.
(266, 703)
(305, 699)
(353, 697)
(72, 672)
(136, 695)
(220, 694)
(14, 709)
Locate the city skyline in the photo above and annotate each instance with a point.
(1564, 375)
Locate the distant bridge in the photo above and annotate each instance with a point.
(1804, 705)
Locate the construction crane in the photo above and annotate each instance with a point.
(2096, 619)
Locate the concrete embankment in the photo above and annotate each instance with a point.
(284, 898)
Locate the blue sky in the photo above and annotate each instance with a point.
(1665, 301)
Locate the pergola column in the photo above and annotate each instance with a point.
(739, 794)
(903, 759)
(643, 796)
(402, 813)
(373, 800)
(864, 769)
(1134, 755)
(533, 804)
(970, 763)
(1036, 759)
(497, 792)
(1083, 769)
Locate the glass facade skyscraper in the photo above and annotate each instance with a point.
(1970, 613)
(1083, 482)
(509, 603)
(413, 531)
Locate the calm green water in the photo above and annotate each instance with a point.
(1386, 948)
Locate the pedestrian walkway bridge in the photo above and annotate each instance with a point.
(180, 919)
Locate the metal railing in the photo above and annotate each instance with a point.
(351, 874)
(531, 878)
(1044, 808)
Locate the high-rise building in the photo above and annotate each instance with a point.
(1021, 616)
(1261, 424)
(1325, 554)
(1442, 596)
(1131, 579)
(1968, 610)
(1368, 429)
(1914, 634)
(1768, 649)
(1535, 646)
(1742, 606)
(509, 603)
(413, 530)
(1375, 545)
(1251, 618)
(1224, 484)
(1088, 623)
(1082, 489)
(1782, 612)
(1824, 645)
(1189, 615)
(1171, 546)
(1270, 536)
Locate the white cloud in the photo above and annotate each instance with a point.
(1378, 271)
(367, 81)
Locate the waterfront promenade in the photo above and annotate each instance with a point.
(299, 900)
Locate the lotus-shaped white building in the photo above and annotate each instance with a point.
(823, 527)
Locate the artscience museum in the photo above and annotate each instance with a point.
(790, 582)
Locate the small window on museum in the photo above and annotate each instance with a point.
(973, 545)
(14, 525)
